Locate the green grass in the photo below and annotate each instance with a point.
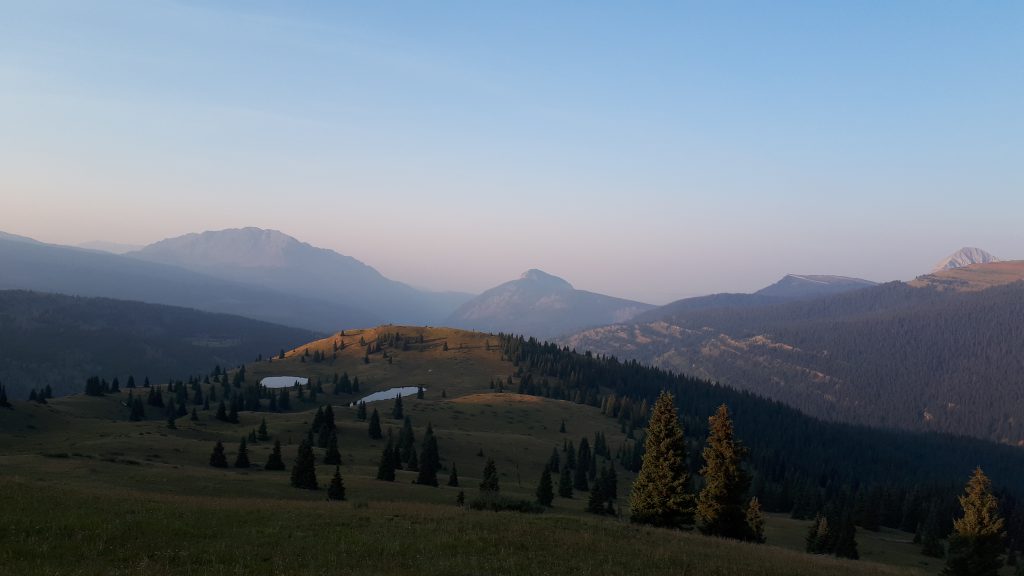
(83, 491)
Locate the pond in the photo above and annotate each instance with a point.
(283, 381)
(390, 394)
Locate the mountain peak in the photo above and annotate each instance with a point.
(542, 277)
(965, 257)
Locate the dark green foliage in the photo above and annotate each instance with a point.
(242, 460)
(460, 499)
(275, 461)
(304, 469)
(217, 458)
(171, 424)
(976, 544)
(453, 477)
(931, 535)
(361, 411)
(222, 412)
(397, 412)
(407, 440)
(555, 462)
(661, 494)
(846, 542)
(562, 427)
(413, 465)
(755, 521)
(375, 431)
(92, 387)
(336, 489)
(427, 472)
(332, 456)
(419, 393)
(138, 412)
(261, 434)
(4, 402)
(545, 490)
(721, 502)
(194, 417)
(489, 480)
(386, 467)
(565, 482)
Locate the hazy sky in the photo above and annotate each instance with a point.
(649, 150)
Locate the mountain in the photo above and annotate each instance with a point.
(893, 355)
(29, 265)
(274, 260)
(809, 286)
(59, 341)
(973, 276)
(541, 305)
(965, 257)
(112, 247)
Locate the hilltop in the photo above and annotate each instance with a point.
(541, 305)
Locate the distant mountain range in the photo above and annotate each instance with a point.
(59, 341)
(273, 260)
(917, 356)
(541, 305)
(806, 286)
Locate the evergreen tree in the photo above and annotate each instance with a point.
(407, 440)
(233, 413)
(453, 478)
(336, 489)
(976, 544)
(375, 431)
(262, 434)
(304, 469)
(430, 449)
(845, 542)
(545, 490)
(489, 484)
(386, 467)
(171, 424)
(333, 456)
(819, 536)
(138, 411)
(242, 460)
(413, 464)
(222, 412)
(4, 402)
(565, 482)
(361, 411)
(397, 412)
(274, 461)
(660, 494)
(460, 500)
(720, 505)
(217, 458)
(755, 521)
(931, 538)
(194, 417)
(562, 427)
(427, 472)
(555, 462)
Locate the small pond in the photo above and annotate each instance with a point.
(283, 381)
(390, 394)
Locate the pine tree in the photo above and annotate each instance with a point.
(4, 402)
(333, 456)
(336, 489)
(194, 416)
(304, 469)
(720, 505)
(407, 440)
(819, 536)
(233, 413)
(242, 460)
(489, 484)
(427, 472)
(976, 544)
(460, 500)
(554, 462)
(562, 427)
(386, 467)
(545, 490)
(565, 482)
(660, 494)
(171, 424)
(274, 461)
(931, 539)
(217, 458)
(222, 412)
(361, 411)
(453, 478)
(138, 410)
(755, 521)
(397, 412)
(845, 540)
(413, 464)
(262, 434)
(375, 431)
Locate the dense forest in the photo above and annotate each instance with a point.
(58, 341)
(890, 356)
(836, 465)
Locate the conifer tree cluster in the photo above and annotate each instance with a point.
(304, 469)
(976, 544)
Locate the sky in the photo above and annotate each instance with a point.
(649, 150)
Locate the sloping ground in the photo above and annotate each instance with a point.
(974, 277)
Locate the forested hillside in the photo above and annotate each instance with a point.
(58, 341)
(915, 358)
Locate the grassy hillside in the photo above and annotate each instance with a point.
(79, 481)
(59, 341)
